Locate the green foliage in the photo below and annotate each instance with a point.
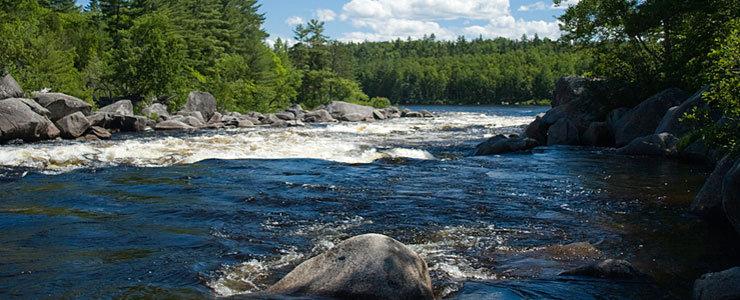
(723, 95)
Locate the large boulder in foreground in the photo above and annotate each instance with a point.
(350, 112)
(19, 121)
(502, 144)
(201, 102)
(708, 202)
(9, 88)
(720, 285)
(123, 108)
(73, 126)
(664, 144)
(731, 196)
(644, 119)
(61, 105)
(370, 266)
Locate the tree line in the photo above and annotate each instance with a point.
(158, 50)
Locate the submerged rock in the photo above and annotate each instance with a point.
(9, 88)
(644, 118)
(502, 144)
(663, 144)
(73, 126)
(61, 105)
(123, 108)
(201, 102)
(370, 266)
(607, 269)
(720, 285)
(19, 121)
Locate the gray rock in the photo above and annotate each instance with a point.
(426, 114)
(537, 130)
(195, 114)
(201, 102)
(349, 112)
(118, 122)
(61, 105)
(607, 269)
(272, 120)
(731, 196)
(663, 144)
(297, 111)
(37, 108)
(614, 116)
(99, 132)
(318, 116)
(412, 114)
(502, 144)
(723, 285)
(156, 111)
(123, 108)
(9, 88)
(244, 123)
(564, 132)
(370, 266)
(644, 119)
(217, 118)
(19, 121)
(192, 121)
(73, 126)
(598, 134)
(671, 121)
(569, 88)
(708, 202)
(173, 125)
(391, 112)
(285, 116)
(254, 115)
(379, 114)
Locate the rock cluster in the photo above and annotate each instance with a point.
(52, 115)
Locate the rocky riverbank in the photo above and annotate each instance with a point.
(598, 113)
(48, 116)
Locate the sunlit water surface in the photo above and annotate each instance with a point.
(227, 213)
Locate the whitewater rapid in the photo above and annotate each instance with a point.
(354, 143)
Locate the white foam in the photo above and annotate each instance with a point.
(356, 143)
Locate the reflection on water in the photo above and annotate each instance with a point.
(489, 227)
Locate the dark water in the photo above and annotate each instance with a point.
(488, 226)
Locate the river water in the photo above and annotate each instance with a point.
(227, 213)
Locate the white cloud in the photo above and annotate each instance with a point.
(541, 5)
(509, 27)
(294, 20)
(326, 15)
(377, 20)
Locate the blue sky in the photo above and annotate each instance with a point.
(358, 20)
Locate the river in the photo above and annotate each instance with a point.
(228, 212)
